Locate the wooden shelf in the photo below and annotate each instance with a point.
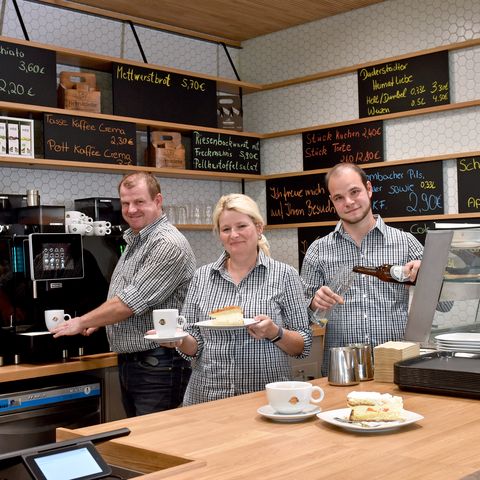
(79, 58)
(45, 164)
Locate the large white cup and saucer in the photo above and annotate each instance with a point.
(168, 325)
(291, 401)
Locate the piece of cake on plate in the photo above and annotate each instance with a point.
(226, 317)
(374, 407)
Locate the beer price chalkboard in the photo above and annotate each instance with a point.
(361, 143)
(27, 75)
(468, 184)
(219, 152)
(401, 85)
(401, 190)
(407, 190)
(89, 140)
(167, 96)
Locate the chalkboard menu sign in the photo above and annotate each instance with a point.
(401, 190)
(468, 182)
(167, 96)
(361, 143)
(408, 84)
(27, 75)
(407, 190)
(89, 140)
(219, 152)
(418, 228)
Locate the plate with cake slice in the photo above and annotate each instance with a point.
(219, 326)
(227, 318)
(371, 412)
(341, 418)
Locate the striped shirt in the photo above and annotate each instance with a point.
(374, 310)
(231, 362)
(153, 272)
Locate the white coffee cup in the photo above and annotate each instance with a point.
(292, 397)
(75, 216)
(102, 224)
(166, 322)
(81, 228)
(101, 231)
(54, 318)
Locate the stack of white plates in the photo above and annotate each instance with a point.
(459, 342)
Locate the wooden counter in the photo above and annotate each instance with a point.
(231, 441)
(24, 371)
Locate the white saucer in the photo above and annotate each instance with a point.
(209, 324)
(268, 412)
(179, 334)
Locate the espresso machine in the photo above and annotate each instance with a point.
(44, 268)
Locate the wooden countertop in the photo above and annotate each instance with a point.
(24, 371)
(231, 441)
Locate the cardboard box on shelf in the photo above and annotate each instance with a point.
(16, 137)
(77, 91)
(229, 112)
(165, 150)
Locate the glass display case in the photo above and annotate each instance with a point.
(446, 297)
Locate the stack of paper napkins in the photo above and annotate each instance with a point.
(387, 354)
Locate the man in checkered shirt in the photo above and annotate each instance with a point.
(371, 310)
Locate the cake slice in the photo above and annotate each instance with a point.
(374, 407)
(226, 317)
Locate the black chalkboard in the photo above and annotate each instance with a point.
(219, 152)
(167, 96)
(407, 190)
(401, 190)
(89, 140)
(361, 143)
(468, 182)
(27, 75)
(401, 85)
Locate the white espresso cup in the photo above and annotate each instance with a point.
(102, 224)
(54, 318)
(74, 216)
(166, 322)
(292, 397)
(101, 231)
(81, 228)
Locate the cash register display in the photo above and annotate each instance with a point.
(55, 256)
(77, 462)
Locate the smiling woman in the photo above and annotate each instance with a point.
(243, 359)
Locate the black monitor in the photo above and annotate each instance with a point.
(75, 462)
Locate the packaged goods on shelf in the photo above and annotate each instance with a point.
(229, 112)
(77, 91)
(16, 137)
(166, 150)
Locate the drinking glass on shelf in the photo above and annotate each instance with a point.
(181, 214)
(170, 211)
(339, 284)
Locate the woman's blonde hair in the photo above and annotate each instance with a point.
(242, 204)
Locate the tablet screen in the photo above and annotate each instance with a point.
(78, 462)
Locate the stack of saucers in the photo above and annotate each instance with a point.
(465, 342)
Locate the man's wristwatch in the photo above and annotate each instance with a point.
(278, 336)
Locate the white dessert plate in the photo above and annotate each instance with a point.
(179, 334)
(339, 418)
(209, 324)
(268, 412)
(462, 337)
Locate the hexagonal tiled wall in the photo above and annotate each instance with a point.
(383, 30)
